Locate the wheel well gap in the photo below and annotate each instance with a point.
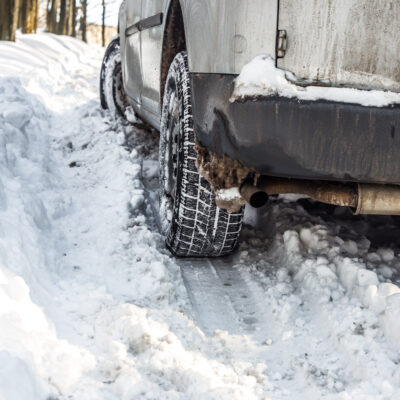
(174, 41)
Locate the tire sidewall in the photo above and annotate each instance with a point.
(173, 86)
(112, 97)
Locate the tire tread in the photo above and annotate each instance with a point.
(198, 228)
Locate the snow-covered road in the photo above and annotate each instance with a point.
(92, 306)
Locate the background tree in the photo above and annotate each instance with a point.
(103, 25)
(48, 14)
(64, 17)
(71, 29)
(29, 16)
(52, 11)
(84, 19)
(62, 23)
(9, 13)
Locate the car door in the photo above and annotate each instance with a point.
(131, 63)
(152, 40)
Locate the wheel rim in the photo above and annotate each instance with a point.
(118, 89)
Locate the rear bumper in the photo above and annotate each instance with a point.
(297, 139)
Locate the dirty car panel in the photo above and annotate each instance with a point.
(352, 43)
(290, 138)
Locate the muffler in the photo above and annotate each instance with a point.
(361, 198)
(378, 199)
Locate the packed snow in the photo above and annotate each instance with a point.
(261, 77)
(228, 194)
(92, 306)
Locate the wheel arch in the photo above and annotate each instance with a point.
(174, 39)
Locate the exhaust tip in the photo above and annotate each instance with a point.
(258, 199)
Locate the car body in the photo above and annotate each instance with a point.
(346, 43)
(256, 98)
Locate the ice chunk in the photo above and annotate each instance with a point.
(386, 254)
(348, 272)
(391, 319)
(16, 114)
(366, 277)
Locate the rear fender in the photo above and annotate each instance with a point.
(222, 36)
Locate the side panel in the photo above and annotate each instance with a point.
(152, 41)
(224, 35)
(130, 14)
(345, 42)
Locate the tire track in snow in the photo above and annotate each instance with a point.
(213, 307)
(219, 295)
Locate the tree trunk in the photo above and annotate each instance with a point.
(71, 18)
(84, 19)
(48, 15)
(29, 16)
(9, 13)
(73, 33)
(23, 15)
(63, 18)
(52, 27)
(103, 25)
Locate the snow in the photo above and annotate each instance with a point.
(228, 194)
(92, 306)
(260, 77)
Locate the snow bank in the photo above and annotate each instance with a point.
(261, 78)
(332, 272)
(91, 304)
(332, 311)
(35, 361)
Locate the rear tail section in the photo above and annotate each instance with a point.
(353, 43)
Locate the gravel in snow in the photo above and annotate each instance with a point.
(92, 306)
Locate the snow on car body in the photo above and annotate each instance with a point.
(243, 129)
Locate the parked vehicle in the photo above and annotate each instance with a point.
(175, 62)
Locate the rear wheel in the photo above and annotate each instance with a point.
(112, 94)
(191, 221)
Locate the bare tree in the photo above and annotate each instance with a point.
(52, 16)
(61, 17)
(29, 16)
(103, 25)
(73, 33)
(48, 14)
(35, 14)
(71, 18)
(9, 12)
(84, 19)
(62, 24)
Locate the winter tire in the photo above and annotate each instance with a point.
(112, 94)
(191, 221)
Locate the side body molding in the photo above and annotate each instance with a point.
(147, 23)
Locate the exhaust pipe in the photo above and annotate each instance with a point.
(378, 200)
(361, 198)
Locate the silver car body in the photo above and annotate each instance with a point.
(352, 43)
(221, 37)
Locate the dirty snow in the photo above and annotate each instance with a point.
(228, 194)
(92, 306)
(260, 77)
